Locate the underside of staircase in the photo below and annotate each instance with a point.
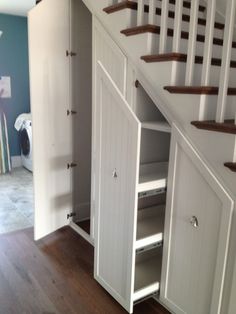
(222, 124)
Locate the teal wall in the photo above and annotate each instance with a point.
(14, 63)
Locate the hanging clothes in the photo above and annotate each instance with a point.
(5, 159)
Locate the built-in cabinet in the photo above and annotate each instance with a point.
(158, 218)
(130, 201)
(197, 230)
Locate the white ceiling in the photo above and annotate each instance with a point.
(16, 7)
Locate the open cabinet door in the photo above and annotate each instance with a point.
(117, 166)
(49, 37)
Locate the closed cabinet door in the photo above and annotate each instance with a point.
(118, 135)
(198, 220)
(49, 29)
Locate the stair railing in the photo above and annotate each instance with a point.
(164, 26)
(208, 43)
(192, 42)
(226, 59)
(177, 25)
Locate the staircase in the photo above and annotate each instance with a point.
(186, 54)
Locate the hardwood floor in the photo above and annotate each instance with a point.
(54, 275)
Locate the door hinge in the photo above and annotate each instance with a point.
(71, 215)
(71, 165)
(71, 112)
(70, 53)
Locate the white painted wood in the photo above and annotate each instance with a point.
(161, 126)
(177, 25)
(194, 260)
(147, 275)
(150, 226)
(106, 51)
(152, 12)
(118, 135)
(192, 42)
(111, 56)
(49, 86)
(140, 16)
(164, 26)
(226, 58)
(153, 176)
(81, 88)
(209, 35)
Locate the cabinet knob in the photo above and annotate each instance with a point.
(194, 222)
(71, 112)
(72, 165)
(114, 174)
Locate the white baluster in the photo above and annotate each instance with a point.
(140, 18)
(226, 58)
(192, 42)
(164, 26)
(177, 25)
(208, 46)
(152, 12)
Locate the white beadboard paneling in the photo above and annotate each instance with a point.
(194, 258)
(49, 85)
(111, 57)
(118, 135)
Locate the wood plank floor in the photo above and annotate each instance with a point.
(53, 276)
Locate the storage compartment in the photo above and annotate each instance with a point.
(153, 173)
(147, 273)
(153, 176)
(150, 226)
(81, 71)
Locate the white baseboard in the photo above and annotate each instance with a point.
(16, 161)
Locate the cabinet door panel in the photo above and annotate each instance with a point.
(198, 220)
(111, 57)
(118, 135)
(49, 84)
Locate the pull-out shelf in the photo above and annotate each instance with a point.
(150, 226)
(153, 176)
(147, 275)
(161, 126)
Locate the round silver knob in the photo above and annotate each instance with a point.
(194, 222)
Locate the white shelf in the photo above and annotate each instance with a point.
(161, 126)
(147, 277)
(150, 226)
(153, 176)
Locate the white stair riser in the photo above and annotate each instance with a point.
(185, 26)
(217, 50)
(214, 77)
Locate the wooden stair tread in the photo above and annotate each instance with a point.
(148, 28)
(181, 57)
(231, 166)
(228, 126)
(197, 90)
(127, 4)
(120, 6)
